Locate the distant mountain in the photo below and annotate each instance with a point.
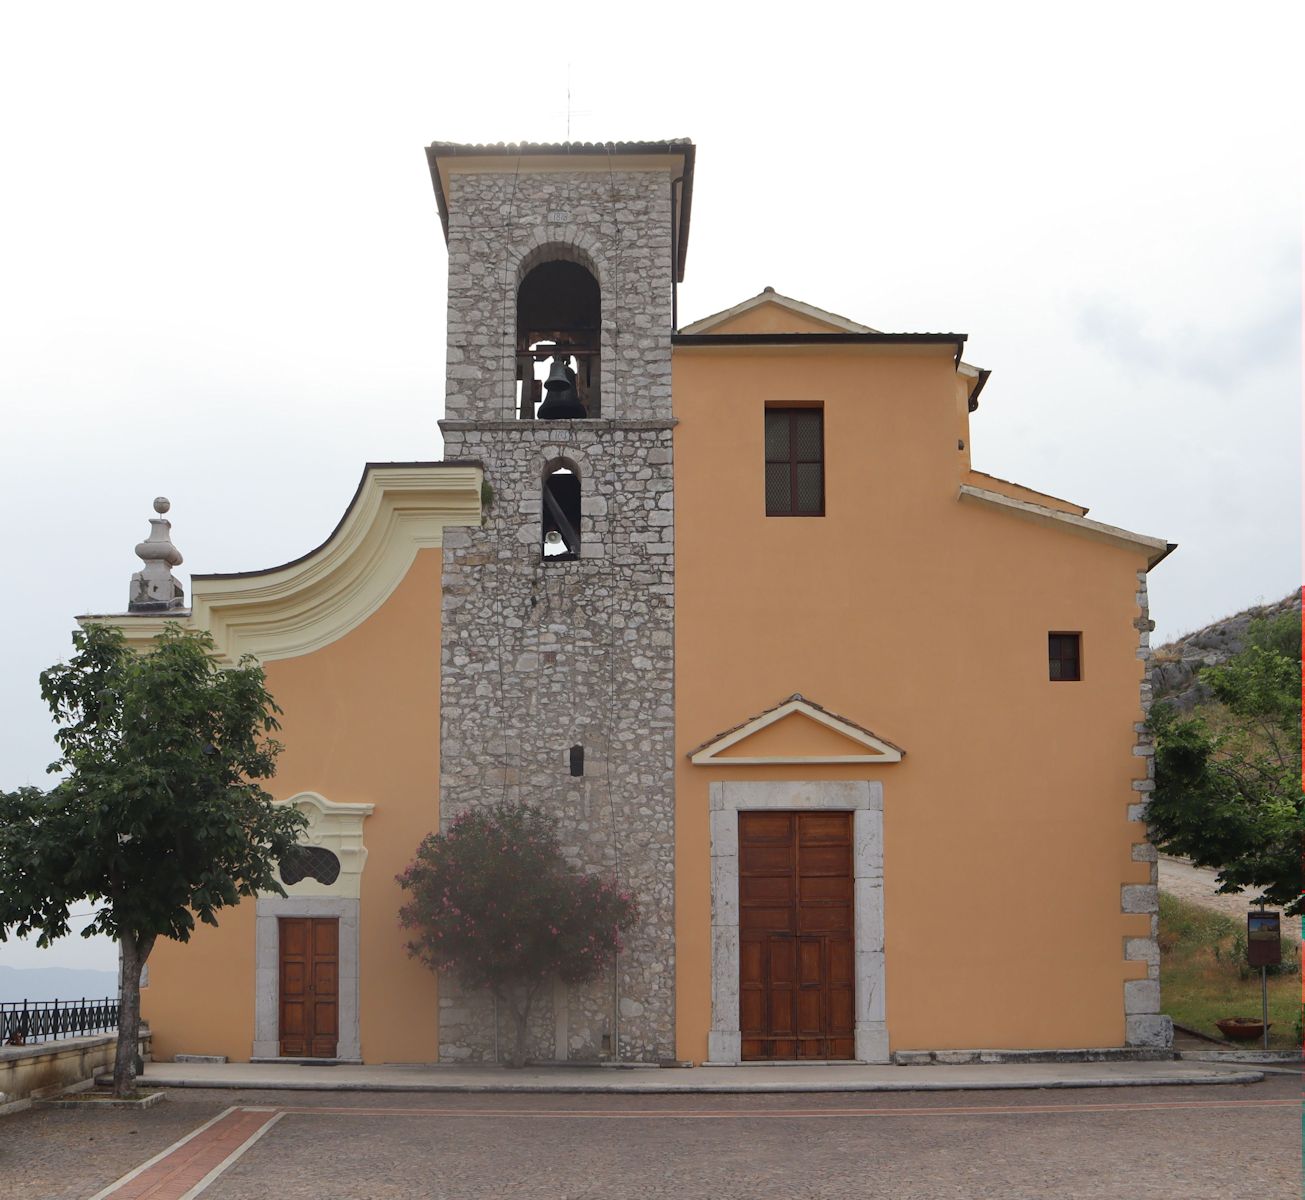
(1174, 666)
(55, 983)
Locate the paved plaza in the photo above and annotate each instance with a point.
(1227, 1141)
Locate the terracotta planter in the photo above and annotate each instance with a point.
(1242, 1029)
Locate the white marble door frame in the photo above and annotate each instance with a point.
(267, 969)
(865, 800)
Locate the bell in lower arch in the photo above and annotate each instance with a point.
(562, 401)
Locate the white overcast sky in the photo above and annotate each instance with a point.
(222, 276)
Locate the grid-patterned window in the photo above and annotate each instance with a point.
(795, 462)
(304, 862)
(1064, 659)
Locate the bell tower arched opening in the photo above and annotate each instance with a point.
(559, 326)
(561, 511)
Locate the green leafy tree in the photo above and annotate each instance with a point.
(494, 900)
(159, 817)
(1228, 779)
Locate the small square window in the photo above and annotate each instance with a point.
(1064, 656)
(795, 462)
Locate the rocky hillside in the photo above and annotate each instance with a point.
(1174, 666)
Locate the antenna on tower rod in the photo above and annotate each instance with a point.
(571, 110)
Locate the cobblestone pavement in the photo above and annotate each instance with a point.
(1179, 878)
(1190, 1142)
(67, 1154)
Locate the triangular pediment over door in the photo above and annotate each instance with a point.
(796, 731)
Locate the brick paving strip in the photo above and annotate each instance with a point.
(187, 1167)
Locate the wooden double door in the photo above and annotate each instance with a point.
(796, 952)
(310, 986)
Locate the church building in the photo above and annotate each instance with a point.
(860, 726)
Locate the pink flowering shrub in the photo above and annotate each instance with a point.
(494, 900)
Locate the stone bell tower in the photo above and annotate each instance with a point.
(558, 611)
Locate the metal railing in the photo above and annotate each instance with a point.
(24, 1022)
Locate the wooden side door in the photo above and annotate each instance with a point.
(796, 960)
(310, 986)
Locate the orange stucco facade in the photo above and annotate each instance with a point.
(360, 725)
(1006, 839)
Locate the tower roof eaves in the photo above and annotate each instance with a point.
(681, 147)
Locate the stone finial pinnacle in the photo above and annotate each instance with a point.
(155, 588)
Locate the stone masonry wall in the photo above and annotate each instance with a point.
(617, 223)
(1145, 1025)
(539, 656)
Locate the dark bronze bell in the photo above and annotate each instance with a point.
(561, 401)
